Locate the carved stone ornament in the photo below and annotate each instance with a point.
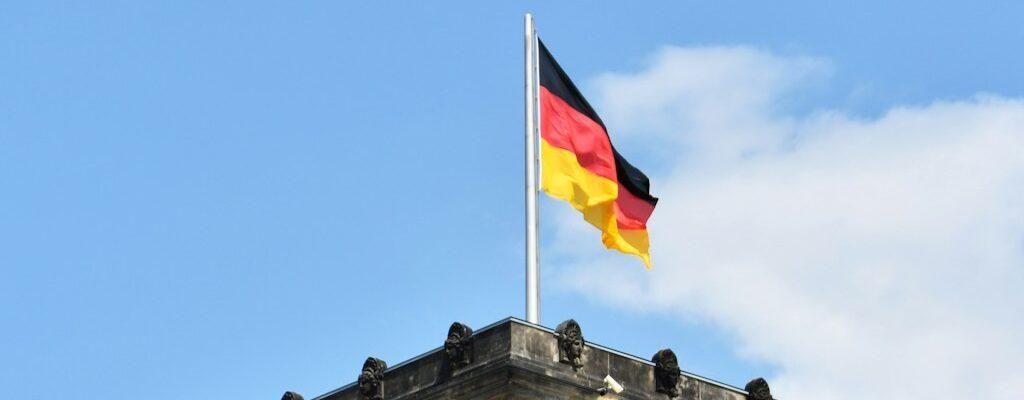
(371, 380)
(757, 389)
(291, 396)
(666, 373)
(570, 344)
(459, 345)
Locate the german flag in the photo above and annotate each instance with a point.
(580, 165)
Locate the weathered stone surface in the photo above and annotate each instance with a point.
(710, 391)
(513, 359)
(689, 388)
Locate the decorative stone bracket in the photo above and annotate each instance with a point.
(757, 389)
(459, 345)
(371, 379)
(570, 344)
(291, 396)
(666, 373)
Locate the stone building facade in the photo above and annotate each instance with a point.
(513, 359)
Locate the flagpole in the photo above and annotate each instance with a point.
(532, 255)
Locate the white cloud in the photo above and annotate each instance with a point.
(877, 258)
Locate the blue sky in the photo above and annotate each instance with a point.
(238, 199)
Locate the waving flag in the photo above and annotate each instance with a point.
(580, 165)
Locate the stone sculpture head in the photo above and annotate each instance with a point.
(570, 344)
(666, 372)
(291, 396)
(757, 389)
(371, 379)
(458, 345)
